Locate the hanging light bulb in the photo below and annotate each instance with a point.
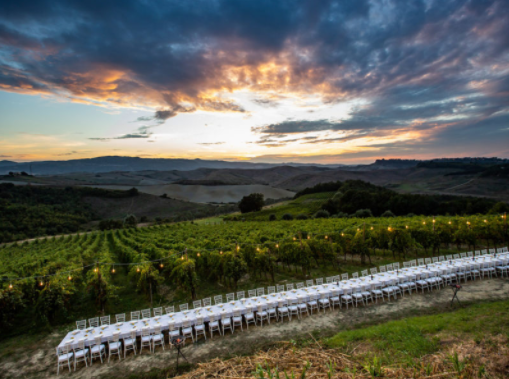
(182, 257)
(113, 270)
(10, 286)
(41, 283)
(69, 278)
(257, 248)
(137, 269)
(433, 221)
(406, 226)
(95, 269)
(221, 252)
(424, 223)
(486, 221)
(294, 238)
(198, 254)
(342, 234)
(358, 230)
(309, 237)
(277, 246)
(450, 223)
(161, 265)
(371, 228)
(326, 237)
(389, 228)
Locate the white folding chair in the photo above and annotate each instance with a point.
(335, 299)
(289, 287)
(389, 290)
(376, 292)
(145, 313)
(81, 325)
(463, 255)
(237, 320)
(157, 338)
(346, 298)
(312, 303)
(207, 302)
(357, 296)
(422, 283)
(218, 299)
(120, 317)
(130, 342)
(98, 350)
(81, 353)
(146, 340)
(93, 322)
(280, 288)
(158, 312)
(230, 297)
(251, 293)
(199, 328)
(364, 273)
(260, 291)
(470, 254)
(214, 326)
(197, 304)
(65, 355)
(355, 275)
(261, 315)
(135, 316)
(323, 302)
(300, 285)
(249, 317)
(226, 323)
(293, 308)
(382, 269)
(420, 262)
(309, 283)
(105, 320)
(366, 293)
(241, 295)
(170, 309)
(373, 271)
(330, 279)
(173, 330)
(187, 330)
(388, 267)
(319, 281)
(283, 310)
(456, 256)
(272, 313)
(184, 307)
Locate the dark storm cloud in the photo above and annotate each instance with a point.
(436, 68)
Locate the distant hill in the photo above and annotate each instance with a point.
(116, 163)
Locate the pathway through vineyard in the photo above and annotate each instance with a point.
(38, 359)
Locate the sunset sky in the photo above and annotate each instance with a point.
(267, 81)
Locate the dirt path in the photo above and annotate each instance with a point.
(39, 361)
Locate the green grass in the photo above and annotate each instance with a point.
(415, 337)
(307, 204)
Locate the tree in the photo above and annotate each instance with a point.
(363, 213)
(387, 214)
(251, 203)
(322, 214)
(287, 217)
(272, 217)
(185, 276)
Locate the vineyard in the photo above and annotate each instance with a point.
(57, 280)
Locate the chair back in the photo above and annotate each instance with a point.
(388, 267)
(259, 308)
(336, 278)
(449, 257)
(271, 289)
(382, 269)
(145, 313)
(364, 273)
(355, 275)
(199, 320)
(463, 255)
(330, 279)
(309, 283)
(251, 293)
(218, 299)
(420, 262)
(120, 317)
(300, 285)
(319, 281)
(157, 329)
(406, 264)
(230, 297)
(81, 325)
(396, 266)
(344, 276)
(289, 287)
(170, 309)
(116, 336)
(158, 312)
(427, 261)
(260, 291)
(197, 304)
(241, 295)
(280, 288)
(105, 320)
(81, 344)
(97, 340)
(93, 322)
(435, 259)
(133, 335)
(135, 315)
(184, 307)
(144, 332)
(207, 302)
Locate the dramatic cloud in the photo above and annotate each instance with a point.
(434, 70)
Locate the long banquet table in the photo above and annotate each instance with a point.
(253, 304)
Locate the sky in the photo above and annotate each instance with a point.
(267, 81)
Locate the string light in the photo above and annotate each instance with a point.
(326, 237)
(389, 228)
(41, 283)
(113, 270)
(424, 223)
(69, 278)
(486, 221)
(257, 249)
(95, 269)
(371, 228)
(294, 238)
(406, 226)
(277, 246)
(309, 237)
(137, 269)
(10, 286)
(450, 223)
(221, 252)
(433, 221)
(342, 234)
(198, 254)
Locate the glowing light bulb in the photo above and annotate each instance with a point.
(137, 269)
(309, 237)
(371, 228)
(198, 254)
(433, 221)
(485, 220)
(326, 237)
(10, 286)
(406, 226)
(424, 223)
(450, 223)
(161, 265)
(41, 284)
(294, 238)
(221, 252)
(69, 278)
(277, 246)
(95, 269)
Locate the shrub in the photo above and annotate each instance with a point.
(302, 216)
(363, 213)
(387, 214)
(287, 217)
(322, 214)
(272, 217)
(251, 203)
